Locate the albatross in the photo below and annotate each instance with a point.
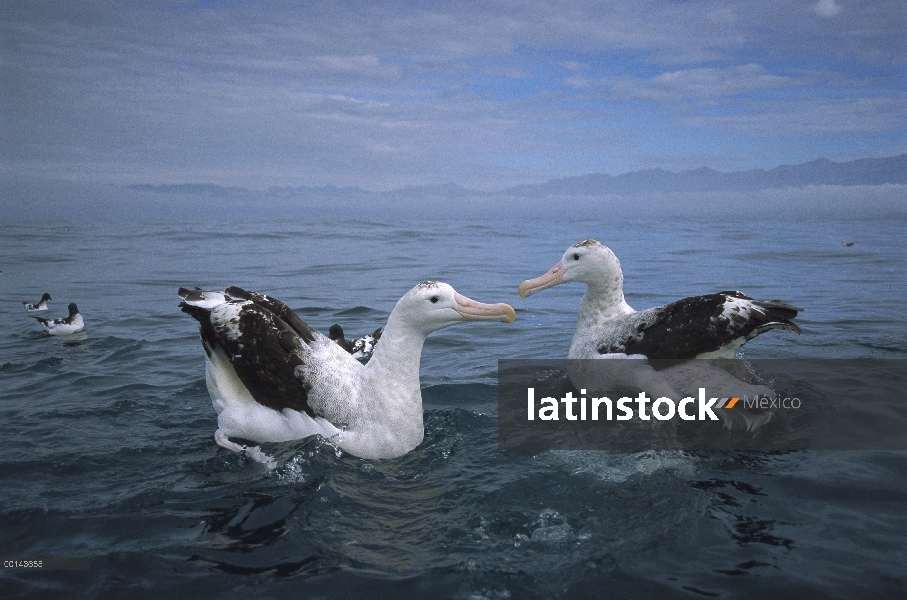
(712, 326)
(273, 378)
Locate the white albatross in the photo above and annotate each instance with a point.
(712, 326)
(272, 378)
(65, 325)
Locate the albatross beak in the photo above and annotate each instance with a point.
(554, 276)
(471, 310)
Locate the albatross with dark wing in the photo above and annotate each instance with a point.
(272, 378)
(710, 326)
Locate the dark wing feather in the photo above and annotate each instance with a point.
(205, 329)
(264, 359)
(698, 325)
(277, 307)
(260, 343)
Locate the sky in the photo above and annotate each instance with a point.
(486, 95)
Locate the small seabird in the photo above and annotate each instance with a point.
(273, 378)
(39, 305)
(359, 348)
(64, 326)
(709, 327)
(846, 244)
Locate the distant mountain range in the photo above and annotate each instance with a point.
(817, 186)
(866, 171)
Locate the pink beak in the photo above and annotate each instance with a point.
(472, 310)
(553, 277)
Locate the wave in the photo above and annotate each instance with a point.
(359, 311)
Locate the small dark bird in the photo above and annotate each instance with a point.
(360, 348)
(847, 244)
(64, 326)
(39, 305)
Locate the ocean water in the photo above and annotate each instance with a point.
(108, 450)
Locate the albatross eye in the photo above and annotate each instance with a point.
(434, 299)
(576, 257)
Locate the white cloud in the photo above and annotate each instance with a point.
(361, 65)
(818, 116)
(573, 66)
(579, 82)
(827, 8)
(382, 94)
(505, 72)
(698, 83)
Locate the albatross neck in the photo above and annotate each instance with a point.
(398, 354)
(603, 300)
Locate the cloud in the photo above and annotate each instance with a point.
(510, 73)
(816, 116)
(827, 8)
(361, 65)
(392, 93)
(573, 66)
(697, 83)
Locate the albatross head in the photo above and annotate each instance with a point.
(433, 305)
(589, 262)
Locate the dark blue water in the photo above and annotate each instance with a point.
(108, 449)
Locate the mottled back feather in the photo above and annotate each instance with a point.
(262, 338)
(698, 325)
